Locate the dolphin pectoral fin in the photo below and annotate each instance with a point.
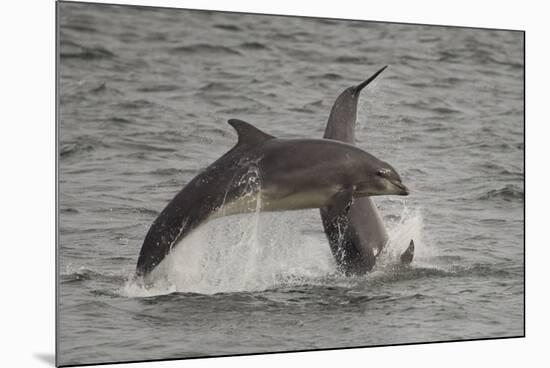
(339, 204)
(408, 254)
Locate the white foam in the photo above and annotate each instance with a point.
(260, 251)
(242, 253)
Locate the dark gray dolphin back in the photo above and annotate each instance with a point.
(357, 236)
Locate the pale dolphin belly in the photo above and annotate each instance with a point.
(270, 202)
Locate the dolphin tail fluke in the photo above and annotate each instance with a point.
(407, 256)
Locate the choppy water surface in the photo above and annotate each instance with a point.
(144, 99)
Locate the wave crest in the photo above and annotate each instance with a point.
(510, 193)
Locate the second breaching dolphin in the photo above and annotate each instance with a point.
(265, 173)
(354, 237)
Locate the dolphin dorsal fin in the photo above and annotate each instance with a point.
(248, 134)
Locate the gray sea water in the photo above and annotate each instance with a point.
(144, 96)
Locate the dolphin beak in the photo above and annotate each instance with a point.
(403, 190)
(362, 85)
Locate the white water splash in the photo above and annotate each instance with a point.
(409, 227)
(260, 251)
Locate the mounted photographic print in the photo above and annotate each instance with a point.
(234, 183)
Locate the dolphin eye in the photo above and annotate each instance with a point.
(383, 172)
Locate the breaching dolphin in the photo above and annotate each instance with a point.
(265, 173)
(355, 238)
